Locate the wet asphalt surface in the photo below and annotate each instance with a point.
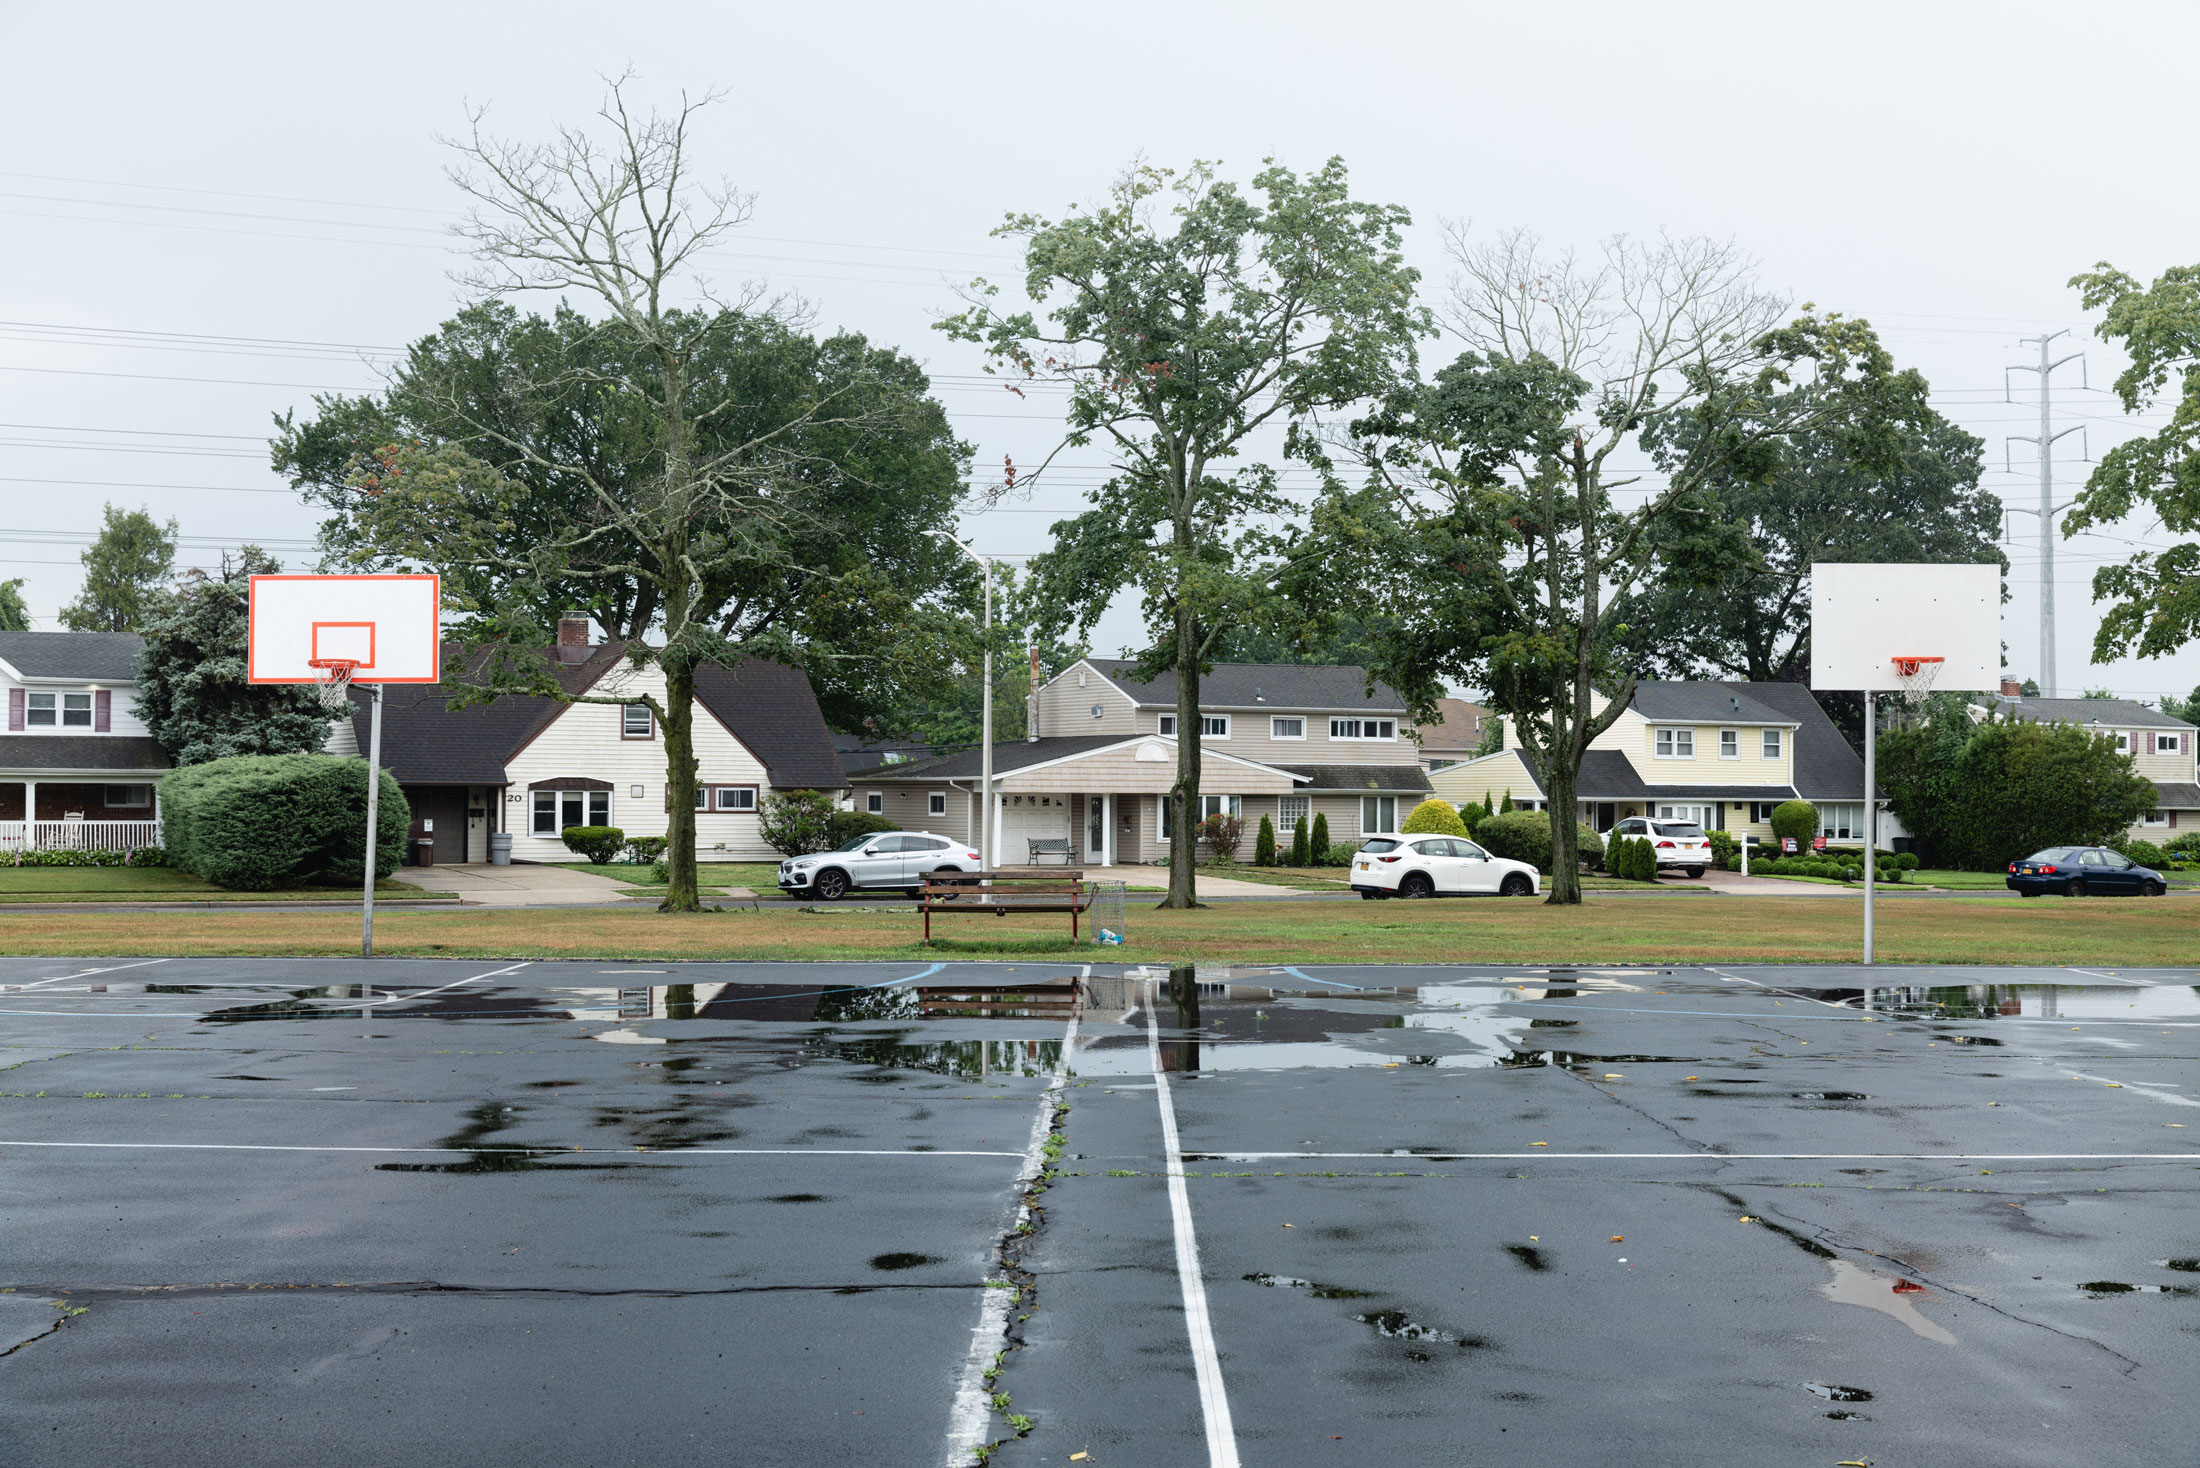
(604, 1214)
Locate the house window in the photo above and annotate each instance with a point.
(637, 722)
(1280, 728)
(1698, 814)
(1168, 723)
(1730, 744)
(1760, 812)
(736, 797)
(76, 710)
(2151, 818)
(1167, 822)
(1290, 810)
(41, 710)
(1363, 729)
(129, 797)
(2169, 744)
(874, 802)
(1221, 805)
(702, 797)
(2123, 741)
(935, 804)
(1841, 822)
(1378, 815)
(1676, 744)
(557, 809)
(1211, 726)
(1772, 743)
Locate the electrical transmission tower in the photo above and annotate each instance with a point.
(2048, 509)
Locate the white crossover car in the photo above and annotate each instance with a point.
(1437, 866)
(1677, 843)
(891, 859)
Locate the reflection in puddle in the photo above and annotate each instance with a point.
(1318, 1291)
(2036, 1001)
(1852, 1285)
(1834, 1393)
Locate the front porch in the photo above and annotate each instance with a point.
(74, 813)
(78, 835)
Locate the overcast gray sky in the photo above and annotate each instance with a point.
(208, 211)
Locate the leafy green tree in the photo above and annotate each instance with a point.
(797, 823)
(1918, 760)
(1493, 736)
(2020, 786)
(1181, 318)
(2187, 708)
(15, 614)
(192, 691)
(1489, 511)
(1730, 597)
(124, 570)
(2154, 595)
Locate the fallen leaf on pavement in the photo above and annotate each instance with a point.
(1532, 1144)
(1617, 1239)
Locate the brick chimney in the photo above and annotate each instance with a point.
(2011, 688)
(573, 637)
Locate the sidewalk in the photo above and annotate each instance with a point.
(478, 884)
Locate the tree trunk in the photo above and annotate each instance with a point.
(1183, 797)
(680, 772)
(1560, 784)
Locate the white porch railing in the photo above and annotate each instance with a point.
(78, 835)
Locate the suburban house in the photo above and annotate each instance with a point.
(2162, 749)
(1720, 754)
(1277, 740)
(1455, 735)
(533, 766)
(77, 768)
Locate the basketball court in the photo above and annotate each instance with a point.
(422, 1211)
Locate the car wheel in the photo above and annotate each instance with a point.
(2074, 888)
(1370, 896)
(1515, 885)
(1695, 872)
(2150, 889)
(1416, 884)
(829, 885)
(940, 878)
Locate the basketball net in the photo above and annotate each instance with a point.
(1914, 678)
(334, 687)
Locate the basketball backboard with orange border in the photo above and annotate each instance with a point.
(387, 628)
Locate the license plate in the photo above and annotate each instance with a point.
(1362, 866)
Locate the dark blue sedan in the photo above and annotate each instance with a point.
(2075, 871)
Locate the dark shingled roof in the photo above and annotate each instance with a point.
(1384, 778)
(81, 752)
(106, 657)
(768, 707)
(2109, 713)
(2176, 795)
(966, 764)
(1605, 775)
(1706, 703)
(1279, 686)
(1825, 767)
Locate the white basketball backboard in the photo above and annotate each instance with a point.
(389, 625)
(1863, 617)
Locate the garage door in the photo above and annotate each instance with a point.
(1028, 817)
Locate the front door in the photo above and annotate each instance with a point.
(1096, 830)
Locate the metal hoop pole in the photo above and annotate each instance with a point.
(1871, 813)
(374, 792)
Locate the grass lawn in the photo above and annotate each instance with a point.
(160, 884)
(759, 876)
(1632, 931)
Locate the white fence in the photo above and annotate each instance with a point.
(78, 835)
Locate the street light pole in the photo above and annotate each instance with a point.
(988, 818)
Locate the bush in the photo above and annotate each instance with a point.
(260, 821)
(1591, 844)
(643, 851)
(1723, 847)
(1338, 856)
(659, 873)
(1264, 844)
(1625, 857)
(1518, 835)
(797, 823)
(143, 856)
(2145, 853)
(843, 826)
(599, 844)
(1220, 834)
(1507, 808)
(1795, 820)
(1907, 860)
(2186, 845)
(1977, 796)
(1318, 843)
(1433, 817)
(1302, 851)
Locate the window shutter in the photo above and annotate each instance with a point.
(15, 710)
(103, 703)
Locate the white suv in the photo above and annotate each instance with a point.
(892, 859)
(1437, 866)
(1677, 843)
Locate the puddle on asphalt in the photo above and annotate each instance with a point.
(2034, 1001)
(1853, 1285)
(1395, 1325)
(2102, 1288)
(1529, 1255)
(1318, 1291)
(903, 1261)
(1834, 1393)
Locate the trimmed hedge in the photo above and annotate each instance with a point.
(599, 844)
(1797, 819)
(1433, 817)
(143, 856)
(254, 822)
(1525, 835)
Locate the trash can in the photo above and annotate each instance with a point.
(424, 851)
(500, 848)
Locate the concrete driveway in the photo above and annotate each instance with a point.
(478, 884)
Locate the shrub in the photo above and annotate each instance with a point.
(1220, 834)
(599, 844)
(1264, 845)
(260, 821)
(797, 823)
(843, 826)
(1796, 820)
(1907, 860)
(143, 856)
(1519, 835)
(2186, 845)
(659, 873)
(1318, 844)
(1470, 816)
(1722, 849)
(1433, 817)
(1339, 856)
(643, 851)
(2145, 853)
(1591, 845)
(1626, 857)
(1302, 852)
(1506, 808)
(1646, 860)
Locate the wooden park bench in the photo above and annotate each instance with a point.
(1049, 846)
(1001, 893)
(1048, 999)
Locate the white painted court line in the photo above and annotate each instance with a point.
(1546, 1156)
(1214, 1400)
(2152, 1090)
(424, 993)
(547, 1149)
(87, 973)
(1773, 989)
(967, 1418)
(2097, 974)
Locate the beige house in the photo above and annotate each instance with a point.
(1720, 754)
(1277, 740)
(2162, 749)
(1455, 734)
